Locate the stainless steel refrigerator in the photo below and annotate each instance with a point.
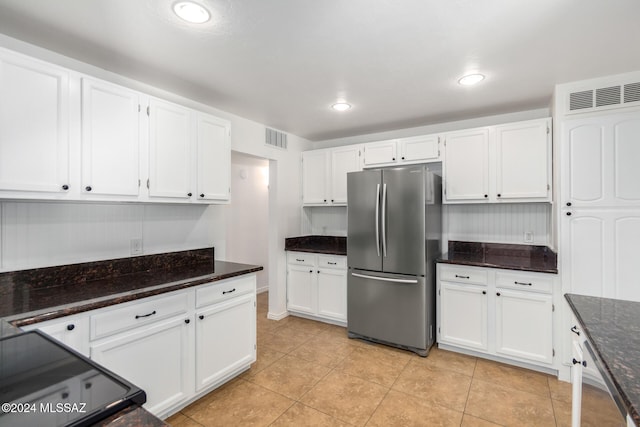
(393, 238)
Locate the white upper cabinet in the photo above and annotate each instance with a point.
(523, 153)
(379, 153)
(343, 160)
(599, 163)
(505, 163)
(315, 170)
(34, 128)
(213, 153)
(466, 166)
(110, 140)
(324, 174)
(420, 148)
(170, 140)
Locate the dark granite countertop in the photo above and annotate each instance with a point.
(501, 255)
(332, 245)
(612, 328)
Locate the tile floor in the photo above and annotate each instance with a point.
(310, 374)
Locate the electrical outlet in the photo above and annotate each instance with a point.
(136, 246)
(528, 236)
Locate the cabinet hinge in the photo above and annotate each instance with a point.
(553, 307)
(548, 130)
(148, 183)
(439, 292)
(254, 347)
(548, 187)
(438, 329)
(138, 183)
(148, 111)
(359, 153)
(553, 352)
(138, 108)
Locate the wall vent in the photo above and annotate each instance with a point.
(617, 96)
(275, 139)
(608, 96)
(632, 92)
(580, 100)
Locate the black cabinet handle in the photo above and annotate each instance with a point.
(331, 200)
(522, 283)
(461, 277)
(568, 213)
(318, 271)
(189, 194)
(65, 395)
(310, 271)
(87, 386)
(394, 159)
(568, 203)
(88, 188)
(486, 195)
(187, 321)
(138, 316)
(299, 260)
(325, 200)
(202, 195)
(65, 187)
(499, 195)
(498, 293)
(575, 330)
(228, 292)
(332, 263)
(583, 363)
(201, 317)
(402, 157)
(484, 292)
(71, 327)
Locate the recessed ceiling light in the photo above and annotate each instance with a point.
(471, 79)
(341, 106)
(191, 12)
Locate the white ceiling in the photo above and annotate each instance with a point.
(284, 62)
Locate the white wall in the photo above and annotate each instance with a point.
(248, 214)
(32, 231)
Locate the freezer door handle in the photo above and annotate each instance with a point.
(377, 219)
(384, 228)
(384, 279)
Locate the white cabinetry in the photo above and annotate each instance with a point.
(381, 153)
(505, 163)
(110, 140)
(499, 313)
(315, 168)
(411, 150)
(213, 153)
(324, 174)
(34, 128)
(317, 286)
(70, 330)
(343, 161)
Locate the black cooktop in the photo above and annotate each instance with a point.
(44, 383)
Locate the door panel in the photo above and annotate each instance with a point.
(404, 221)
(363, 191)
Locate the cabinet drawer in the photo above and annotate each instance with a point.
(463, 275)
(301, 258)
(138, 314)
(332, 262)
(224, 290)
(525, 282)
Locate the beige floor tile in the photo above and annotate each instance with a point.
(266, 356)
(215, 394)
(186, 422)
(283, 339)
(507, 406)
(399, 409)
(471, 421)
(345, 397)
(245, 404)
(512, 377)
(301, 415)
(329, 343)
(372, 365)
(290, 376)
(319, 356)
(450, 360)
(384, 353)
(307, 326)
(434, 385)
(559, 390)
(176, 419)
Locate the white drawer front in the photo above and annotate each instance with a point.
(525, 281)
(224, 290)
(137, 314)
(463, 275)
(301, 258)
(325, 261)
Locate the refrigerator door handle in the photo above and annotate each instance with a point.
(377, 219)
(384, 279)
(384, 228)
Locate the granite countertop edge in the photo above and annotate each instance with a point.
(500, 266)
(319, 251)
(50, 313)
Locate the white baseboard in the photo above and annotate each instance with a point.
(262, 289)
(278, 316)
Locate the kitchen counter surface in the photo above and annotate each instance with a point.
(332, 245)
(37, 295)
(506, 256)
(612, 327)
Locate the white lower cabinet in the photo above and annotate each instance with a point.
(175, 346)
(501, 313)
(317, 286)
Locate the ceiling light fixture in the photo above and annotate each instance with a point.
(191, 12)
(471, 79)
(341, 106)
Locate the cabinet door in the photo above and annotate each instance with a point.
(332, 294)
(419, 148)
(154, 358)
(343, 161)
(599, 161)
(466, 166)
(169, 150)
(377, 153)
(213, 158)
(225, 340)
(463, 315)
(110, 139)
(301, 282)
(523, 161)
(524, 325)
(34, 126)
(72, 331)
(315, 170)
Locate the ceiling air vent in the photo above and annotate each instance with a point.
(275, 139)
(580, 100)
(632, 92)
(608, 96)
